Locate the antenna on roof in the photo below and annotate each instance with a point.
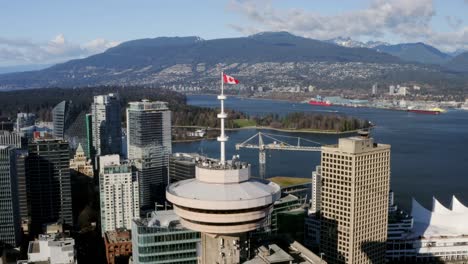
(222, 138)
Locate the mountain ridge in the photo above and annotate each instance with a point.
(416, 52)
(268, 58)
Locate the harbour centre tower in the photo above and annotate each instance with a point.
(223, 203)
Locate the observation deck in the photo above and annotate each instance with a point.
(223, 199)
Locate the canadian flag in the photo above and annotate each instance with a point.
(229, 79)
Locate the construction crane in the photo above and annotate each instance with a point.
(275, 145)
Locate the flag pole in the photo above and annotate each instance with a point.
(222, 138)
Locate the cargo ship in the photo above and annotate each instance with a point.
(319, 102)
(433, 111)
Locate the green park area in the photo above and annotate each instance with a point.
(244, 123)
(289, 181)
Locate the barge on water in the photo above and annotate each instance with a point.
(433, 111)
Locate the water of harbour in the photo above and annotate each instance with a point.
(429, 152)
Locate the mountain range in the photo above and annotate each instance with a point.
(269, 58)
(411, 52)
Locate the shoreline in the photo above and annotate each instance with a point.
(388, 108)
(191, 140)
(330, 132)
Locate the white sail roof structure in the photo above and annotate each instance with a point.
(457, 206)
(441, 221)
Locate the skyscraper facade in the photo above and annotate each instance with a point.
(60, 119)
(316, 190)
(49, 187)
(10, 222)
(14, 139)
(106, 125)
(118, 189)
(182, 166)
(21, 157)
(24, 120)
(354, 200)
(89, 149)
(149, 147)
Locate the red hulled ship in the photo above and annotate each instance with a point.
(319, 102)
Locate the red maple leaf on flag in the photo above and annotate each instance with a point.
(229, 79)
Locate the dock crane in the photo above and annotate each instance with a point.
(276, 145)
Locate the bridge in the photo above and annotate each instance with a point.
(276, 144)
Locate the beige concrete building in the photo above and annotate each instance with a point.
(80, 163)
(354, 200)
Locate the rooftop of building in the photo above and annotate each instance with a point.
(34, 246)
(117, 168)
(161, 219)
(243, 194)
(54, 237)
(356, 145)
(118, 236)
(100, 98)
(284, 252)
(148, 105)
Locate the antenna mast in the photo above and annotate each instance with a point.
(222, 138)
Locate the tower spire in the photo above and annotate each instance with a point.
(222, 138)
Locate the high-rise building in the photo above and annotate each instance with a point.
(354, 200)
(149, 146)
(10, 222)
(150, 236)
(106, 125)
(24, 120)
(148, 123)
(60, 119)
(49, 184)
(15, 140)
(75, 131)
(223, 203)
(118, 188)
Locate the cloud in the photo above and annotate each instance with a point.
(58, 49)
(450, 41)
(399, 16)
(453, 21)
(99, 45)
(401, 19)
